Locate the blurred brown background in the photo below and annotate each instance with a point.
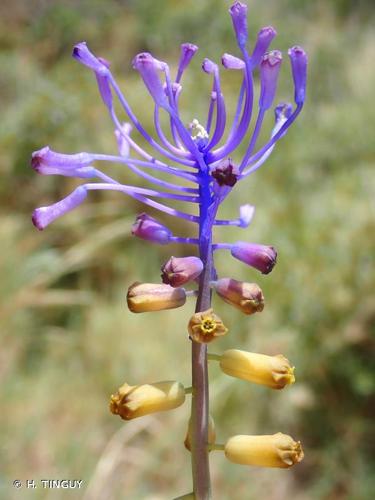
(67, 339)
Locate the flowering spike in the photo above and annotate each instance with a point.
(43, 216)
(298, 59)
(238, 12)
(272, 371)
(149, 297)
(188, 51)
(178, 271)
(135, 401)
(150, 229)
(264, 39)
(148, 67)
(247, 297)
(278, 450)
(269, 72)
(261, 257)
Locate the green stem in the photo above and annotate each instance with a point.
(214, 357)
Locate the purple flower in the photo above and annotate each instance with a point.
(238, 12)
(150, 229)
(261, 257)
(180, 270)
(43, 216)
(298, 59)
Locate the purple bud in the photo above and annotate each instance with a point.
(283, 111)
(150, 229)
(43, 216)
(225, 174)
(264, 39)
(246, 215)
(238, 12)
(298, 59)
(47, 162)
(261, 257)
(83, 55)
(232, 62)
(188, 51)
(148, 67)
(209, 66)
(269, 72)
(178, 271)
(122, 143)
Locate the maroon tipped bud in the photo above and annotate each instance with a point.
(225, 174)
(150, 229)
(178, 271)
(261, 257)
(247, 297)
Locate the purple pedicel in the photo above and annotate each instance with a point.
(269, 72)
(261, 257)
(150, 229)
(43, 216)
(298, 59)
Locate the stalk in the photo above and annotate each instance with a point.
(200, 397)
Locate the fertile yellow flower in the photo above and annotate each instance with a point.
(135, 401)
(211, 433)
(147, 297)
(273, 371)
(278, 450)
(204, 326)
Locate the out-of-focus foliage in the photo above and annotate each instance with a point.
(67, 339)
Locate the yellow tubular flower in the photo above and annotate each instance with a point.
(278, 450)
(272, 371)
(204, 326)
(211, 433)
(147, 297)
(135, 401)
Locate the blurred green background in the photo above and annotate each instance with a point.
(67, 339)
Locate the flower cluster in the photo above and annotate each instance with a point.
(202, 157)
